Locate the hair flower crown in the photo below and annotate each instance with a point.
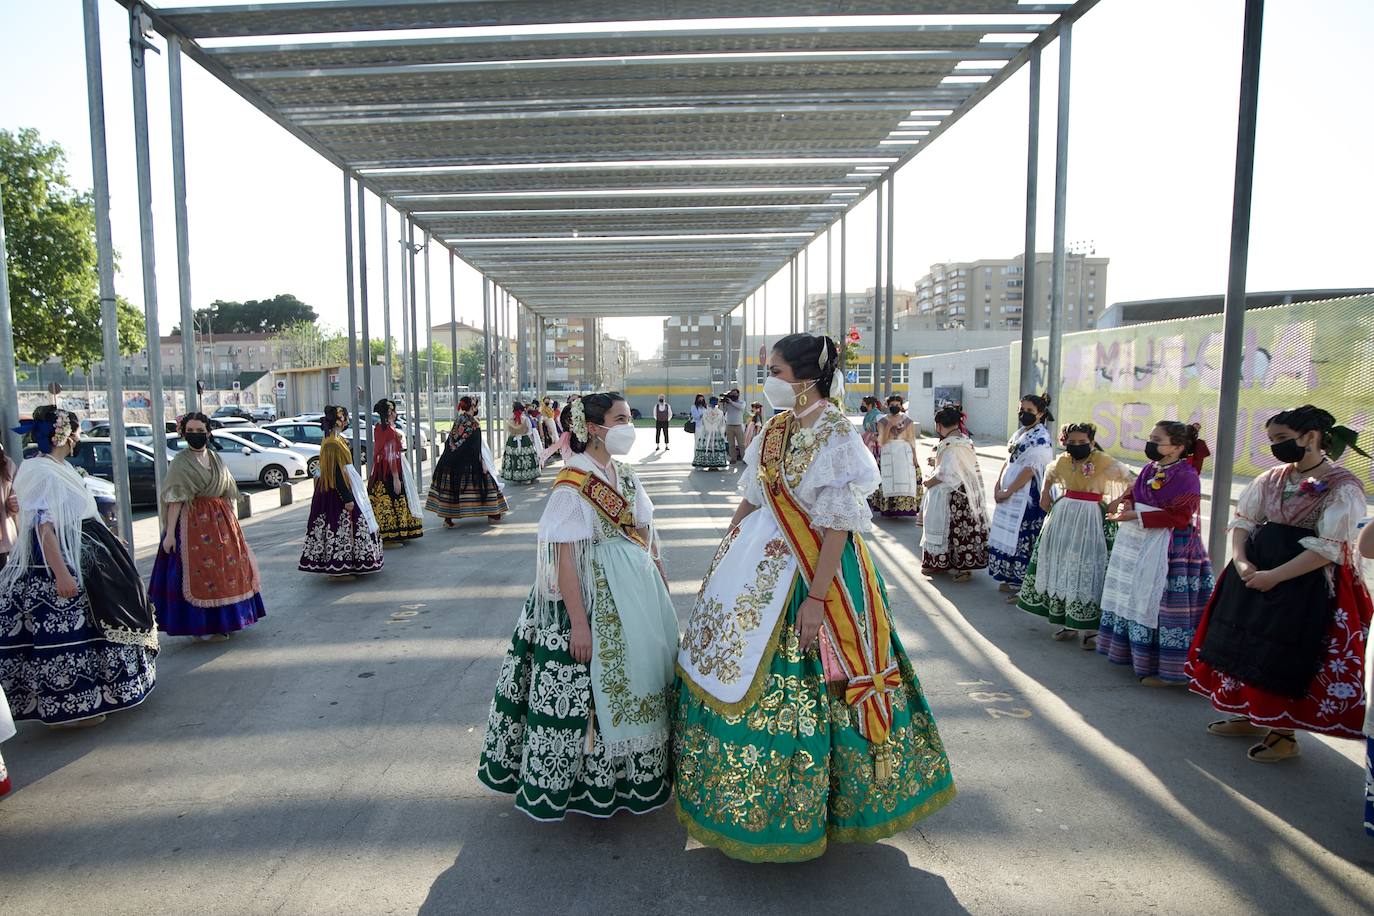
(579, 421)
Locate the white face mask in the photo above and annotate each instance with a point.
(781, 394)
(620, 439)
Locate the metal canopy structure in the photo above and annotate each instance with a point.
(618, 156)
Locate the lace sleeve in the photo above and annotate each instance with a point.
(644, 506)
(749, 487)
(836, 486)
(567, 518)
(1338, 524)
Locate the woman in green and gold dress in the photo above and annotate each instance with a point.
(799, 717)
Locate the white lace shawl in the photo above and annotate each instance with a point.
(834, 489)
(570, 519)
(48, 491)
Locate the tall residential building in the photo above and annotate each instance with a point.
(858, 311)
(698, 338)
(570, 353)
(989, 294)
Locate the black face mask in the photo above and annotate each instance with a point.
(1152, 452)
(1026, 417)
(1079, 451)
(197, 440)
(1289, 451)
(894, 409)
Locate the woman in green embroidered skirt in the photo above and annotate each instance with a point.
(799, 717)
(580, 718)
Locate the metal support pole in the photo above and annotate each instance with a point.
(453, 324)
(487, 357)
(806, 290)
(1233, 313)
(877, 286)
(1029, 301)
(829, 283)
(138, 46)
(413, 346)
(407, 383)
(522, 363)
(1061, 190)
(9, 383)
(352, 402)
(362, 309)
(188, 315)
(429, 344)
(386, 302)
(891, 317)
(844, 296)
(725, 353)
(109, 315)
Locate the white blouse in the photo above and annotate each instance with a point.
(569, 518)
(834, 488)
(1337, 526)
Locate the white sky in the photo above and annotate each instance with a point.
(1151, 155)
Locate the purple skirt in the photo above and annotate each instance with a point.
(338, 543)
(178, 617)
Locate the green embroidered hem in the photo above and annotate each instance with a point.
(535, 746)
(1074, 614)
(779, 779)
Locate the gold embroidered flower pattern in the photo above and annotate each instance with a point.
(716, 636)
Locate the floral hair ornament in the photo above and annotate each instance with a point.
(1313, 487)
(579, 421)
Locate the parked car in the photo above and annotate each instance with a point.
(231, 410)
(96, 459)
(133, 432)
(229, 422)
(263, 413)
(251, 463)
(269, 439)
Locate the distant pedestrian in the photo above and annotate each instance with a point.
(663, 416)
(1017, 519)
(580, 719)
(800, 720)
(520, 459)
(78, 637)
(464, 483)
(872, 414)
(391, 487)
(709, 454)
(899, 496)
(341, 535)
(1068, 564)
(1282, 643)
(733, 409)
(954, 532)
(754, 424)
(1159, 577)
(9, 504)
(205, 581)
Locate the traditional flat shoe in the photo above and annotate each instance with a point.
(962, 576)
(1236, 727)
(1005, 587)
(1088, 642)
(1154, 681)
(1275, 747)
(1063, 634)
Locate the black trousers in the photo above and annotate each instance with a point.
(661, 426)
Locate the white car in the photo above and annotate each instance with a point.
(251, 463)
(264, 413)
(141, 433)
(267, 438)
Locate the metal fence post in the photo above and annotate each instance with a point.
(1061, 189)
(453, 324)
(1233, 314)
(1029, 300)
(183, 232)
(109, 314)
(429, 343)
(386, 302)
(414, 348)
(362, 310)
(844, 296)
(352, 401)
(877, 286)
(890, 315)
(487, 358)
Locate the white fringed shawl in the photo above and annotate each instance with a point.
(54, 489)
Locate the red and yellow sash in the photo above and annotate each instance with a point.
(861, 636)
(613, 507)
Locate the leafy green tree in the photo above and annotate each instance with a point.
(53, 281)
(472, 361)
(256, 316)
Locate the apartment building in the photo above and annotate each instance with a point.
(697, 338)
(859, 311)
(989, 294)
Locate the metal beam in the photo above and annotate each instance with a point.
(354, 415)
(414, 348)
(890, 317)
(1028, 260)
(453, 326)
(109, 313)
(486, 359)
(1061, 191)
(9, 382)
(877, 288)
(1233, 312)
(362, 307)
(844, 294)
(429, 340)
(183, 232)
(386, 301)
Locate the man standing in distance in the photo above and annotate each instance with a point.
(662, 414)
(734, 425)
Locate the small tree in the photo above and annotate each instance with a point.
(54, 283)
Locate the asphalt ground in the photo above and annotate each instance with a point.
(324, 761)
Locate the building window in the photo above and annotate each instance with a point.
(980, 378)
(927, 380)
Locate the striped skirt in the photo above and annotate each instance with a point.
(1161, 652)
